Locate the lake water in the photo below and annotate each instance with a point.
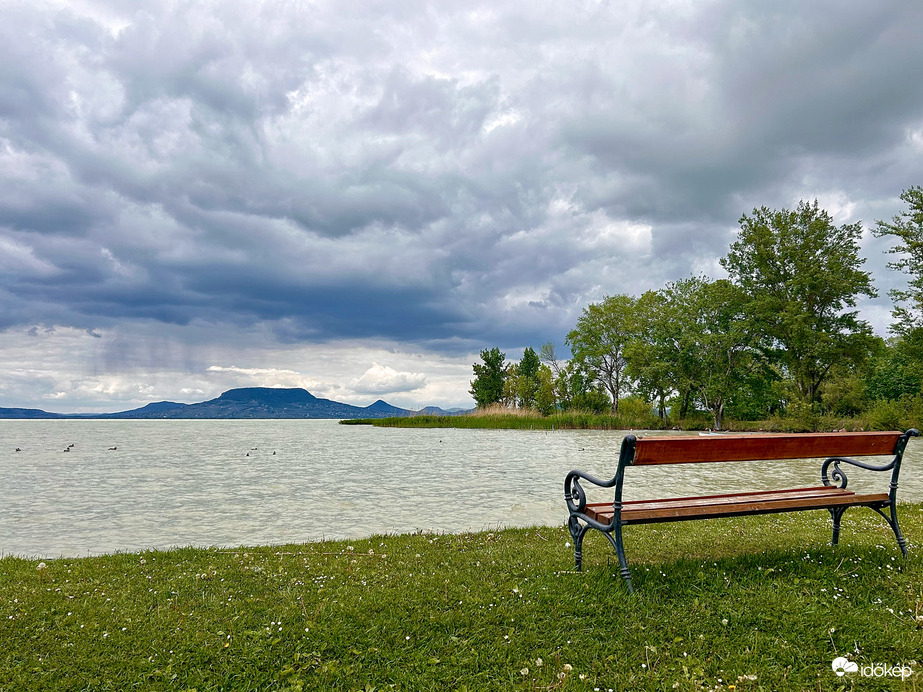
(247, 482)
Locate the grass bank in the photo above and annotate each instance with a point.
(756, 603)
(575, 420)
(504, 421)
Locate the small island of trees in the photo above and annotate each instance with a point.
(776, 345)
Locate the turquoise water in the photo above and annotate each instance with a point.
(245, 482)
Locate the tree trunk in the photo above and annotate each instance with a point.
(718, 416)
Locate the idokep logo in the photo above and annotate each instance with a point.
(842, 665)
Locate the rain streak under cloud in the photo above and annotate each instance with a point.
(357, 197)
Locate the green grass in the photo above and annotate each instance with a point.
(757, 603)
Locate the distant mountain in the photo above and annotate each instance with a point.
(246, 402)
(149, 411)
(27, 413)
(436, 411)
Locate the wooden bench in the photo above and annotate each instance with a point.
(832, 495)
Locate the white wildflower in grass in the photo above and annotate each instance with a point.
(538, 663)
(724, 621)
(568, 667)
(524, 672)
(40, 567)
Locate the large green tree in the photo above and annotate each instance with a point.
(598, 343)
(802, 276)
(489, 376)
(907, 229)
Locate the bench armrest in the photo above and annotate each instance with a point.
(574, 494)
(838, 476)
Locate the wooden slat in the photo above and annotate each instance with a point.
(683, 450)
(714, 500)
(747, 505)
(682, 503)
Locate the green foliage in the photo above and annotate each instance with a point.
(638, 409)
(757, 397)
(653, 355)
(802, 275)
(747, 602)
(545, 399)
(489, 376)
(593, 400)
(844, 392)
(598, 342)
(907, 228)
(897, 370)
(896, 414)
(527, 379)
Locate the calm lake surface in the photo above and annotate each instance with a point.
(177, 483)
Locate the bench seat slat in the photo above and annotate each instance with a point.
(647, 512)
(708, 448)
(735, 498)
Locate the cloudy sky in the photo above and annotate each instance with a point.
(356, 197)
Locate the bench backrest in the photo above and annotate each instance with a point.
(708, 448)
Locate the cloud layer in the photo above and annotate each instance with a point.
(423, 178)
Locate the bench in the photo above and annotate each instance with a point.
(832, 495)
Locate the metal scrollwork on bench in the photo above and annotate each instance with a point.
(575, 492)
(838, 475)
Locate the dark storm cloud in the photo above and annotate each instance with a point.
(435, 173)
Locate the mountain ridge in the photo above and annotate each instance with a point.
(239, 403)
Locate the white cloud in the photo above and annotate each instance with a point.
(381, 379)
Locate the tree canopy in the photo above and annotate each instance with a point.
(801, 274)
(599, 340)
(487, 385)
(907, 228)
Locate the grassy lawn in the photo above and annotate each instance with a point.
(756, 603)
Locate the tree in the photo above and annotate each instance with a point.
(907, 228)
(598, 342)
(560, 376)
(651, 354)
(801, 274)
(487, 385)
(545, 400)
(717, 343)
(527, 378)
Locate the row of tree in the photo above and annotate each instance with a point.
(780, 334)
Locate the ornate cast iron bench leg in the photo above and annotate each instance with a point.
(620, 551)
(836, 513)
(577, 532)
(895, 527)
